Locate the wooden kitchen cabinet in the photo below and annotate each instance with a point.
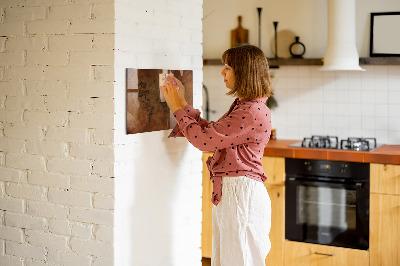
(206, 225)
(277, 233)
(385, 178)
(305, 254)
(384, 236)
(274, 168)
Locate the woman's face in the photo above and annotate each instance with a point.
(229, 76)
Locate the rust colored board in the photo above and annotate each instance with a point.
(348, 156)
(146, 109)
(310, 153)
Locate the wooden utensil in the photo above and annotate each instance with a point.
(239, 35)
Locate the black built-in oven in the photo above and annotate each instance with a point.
(327, 202)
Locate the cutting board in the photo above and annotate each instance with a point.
(239, 35)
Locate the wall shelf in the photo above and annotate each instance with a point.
(380, 61)
(274, 63)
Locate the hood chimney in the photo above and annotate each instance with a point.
(341, 51)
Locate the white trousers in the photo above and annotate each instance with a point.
(241, 223)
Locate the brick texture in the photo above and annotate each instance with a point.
(56, 121)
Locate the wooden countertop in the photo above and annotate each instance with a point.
(389, 154)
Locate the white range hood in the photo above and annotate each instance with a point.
(341, 51)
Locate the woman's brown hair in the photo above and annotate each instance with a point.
(250, 66)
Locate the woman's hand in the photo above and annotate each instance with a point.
(181, 90)
(173, 94)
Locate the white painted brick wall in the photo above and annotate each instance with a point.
(58, 127)
(25, 221)
(56, 132)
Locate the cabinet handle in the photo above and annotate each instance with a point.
(324, 254)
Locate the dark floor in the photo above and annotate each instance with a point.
(206, 261)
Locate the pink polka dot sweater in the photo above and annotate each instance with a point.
(238, 139)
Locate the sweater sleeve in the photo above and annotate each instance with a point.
(228, 132)
(193, 113)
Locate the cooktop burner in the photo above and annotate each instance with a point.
(332, 142)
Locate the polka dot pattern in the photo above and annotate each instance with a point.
(238, 139)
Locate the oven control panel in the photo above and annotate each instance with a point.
(336, 169)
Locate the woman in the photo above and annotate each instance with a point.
(242, 208)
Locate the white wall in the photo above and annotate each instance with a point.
(158, 180)
(56, 132)
(305, 18)
(344, 103)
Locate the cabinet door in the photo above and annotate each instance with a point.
(274, 168)
(384, 230)
(304, 254)
(206, 226)
(385, 178)
(277, 233)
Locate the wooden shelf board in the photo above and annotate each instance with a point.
(275, 62)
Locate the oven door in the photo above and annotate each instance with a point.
(327, 213)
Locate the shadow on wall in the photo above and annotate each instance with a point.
(152, 221)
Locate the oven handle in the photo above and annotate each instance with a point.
(357, 185)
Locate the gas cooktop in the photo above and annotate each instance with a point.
(332, 142)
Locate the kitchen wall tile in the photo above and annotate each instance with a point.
(369, 70)
(355, 109)
(315, 72)
(342, 133)
(381, 110)
(381, 136)
(304, 82)
(329, 93)
(380, 84)
(342, 122)
(342, 109)
(394, 110)
(355, 75)
(394, 137)
(278, 83)
(367, 82)
(342, 96)
(354, 83)
(367, 110)
(304, 72)
(329, 122)
(317, 131)
(316, 82)
(355, 96)
(329, 109)
(292, 82)
(355, 122)
(342, 82)
(304, 109)
(381, 97)
(367, 96)
(394, 83)
(381, 123)
(328, 74)
(364, 99)
(380, 71)
(367, 133)
(291, 71)
(355, 132)
(317, 107)
(367, 123)
(393, 71)
(394, 123)
(394, 97)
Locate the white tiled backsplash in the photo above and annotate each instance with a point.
(313, 102)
